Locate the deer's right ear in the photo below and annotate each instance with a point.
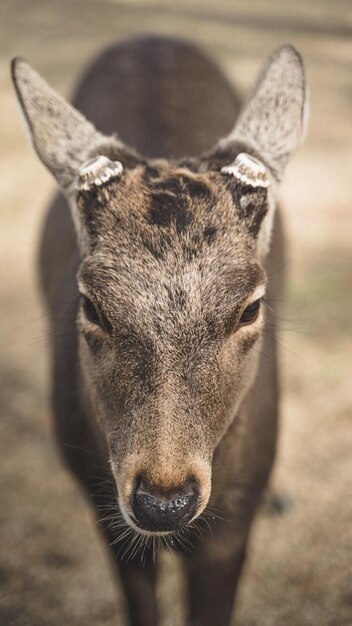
(63, 139)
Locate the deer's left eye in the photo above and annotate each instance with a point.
(250, 313)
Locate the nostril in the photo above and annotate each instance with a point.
(157, 510)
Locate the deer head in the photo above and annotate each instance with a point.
(171, 282)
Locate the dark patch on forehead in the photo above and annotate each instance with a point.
(167, 209)
(151, 174)
(173, 184)
(201, 191)
(172, 200)
(209, 233)
(251, 203)
(194, 188)
(169, 204)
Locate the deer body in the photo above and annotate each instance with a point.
(164, 369)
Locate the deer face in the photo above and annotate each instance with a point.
(170, 323)
(172, 284)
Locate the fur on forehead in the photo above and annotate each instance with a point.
(166, 237)
(170, 210)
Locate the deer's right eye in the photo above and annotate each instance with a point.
(91, 312)
(94, 315)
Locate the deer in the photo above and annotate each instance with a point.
(159, 265)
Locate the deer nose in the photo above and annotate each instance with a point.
(157, 511)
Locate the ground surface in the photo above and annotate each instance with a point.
(53, 568)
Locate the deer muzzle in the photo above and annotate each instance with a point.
(162, 498)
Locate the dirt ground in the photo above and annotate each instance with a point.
(53, 567)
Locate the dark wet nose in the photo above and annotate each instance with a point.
(157, 510)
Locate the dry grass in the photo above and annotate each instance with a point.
(53, 568)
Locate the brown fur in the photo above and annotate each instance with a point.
(173, 347)
(168, 385)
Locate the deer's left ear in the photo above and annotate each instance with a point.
(270, 128)
(272, 123)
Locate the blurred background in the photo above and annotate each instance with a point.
(53, 568)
